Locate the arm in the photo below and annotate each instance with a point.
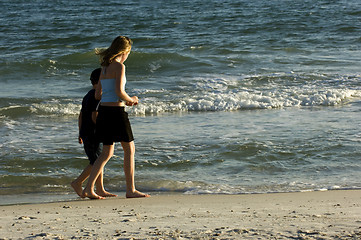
(98, 91)
(79, 125)
(119, 86)
(94, 116)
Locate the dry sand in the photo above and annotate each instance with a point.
(308, 215)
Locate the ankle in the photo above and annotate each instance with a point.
(131, 190)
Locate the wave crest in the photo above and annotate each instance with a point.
(229, 95)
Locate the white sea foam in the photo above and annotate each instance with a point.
(223, 94)
(229, 95)
(215, 100)
(55, 107)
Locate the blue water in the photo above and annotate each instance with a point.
(236, 96)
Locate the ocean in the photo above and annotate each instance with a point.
(236, 97)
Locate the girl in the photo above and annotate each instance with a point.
(112, 123)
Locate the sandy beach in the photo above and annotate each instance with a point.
(308, 215)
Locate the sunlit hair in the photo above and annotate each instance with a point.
(119, 46)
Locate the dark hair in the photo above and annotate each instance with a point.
(94, 77)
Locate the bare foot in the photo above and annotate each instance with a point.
(136, 194)
(77, 188)
(104, 193)
(91, 195)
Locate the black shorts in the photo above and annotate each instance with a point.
(92, 148)
(113, 125)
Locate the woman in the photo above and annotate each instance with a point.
(112, 123)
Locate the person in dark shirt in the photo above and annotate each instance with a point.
(86, 121)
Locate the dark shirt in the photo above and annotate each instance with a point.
(89, 105)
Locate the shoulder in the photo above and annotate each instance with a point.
(115, 70)
(89, 100)
(90, 93)
(89, 96)
(118, 69)
(118, 66)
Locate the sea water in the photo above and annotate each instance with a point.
(235, 96)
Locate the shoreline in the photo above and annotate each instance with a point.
(303, 215)
(56, 197)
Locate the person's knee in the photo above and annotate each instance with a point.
(105, 157)
(128, 147)
(107, 153)
(129, 151)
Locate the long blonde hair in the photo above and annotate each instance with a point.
(119, 46)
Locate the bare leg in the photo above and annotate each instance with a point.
(100, 187)
(129, 166)
(77, 183)
(97, 169)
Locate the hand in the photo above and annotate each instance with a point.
(135, 101)
(129, 103)
(80, 140)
